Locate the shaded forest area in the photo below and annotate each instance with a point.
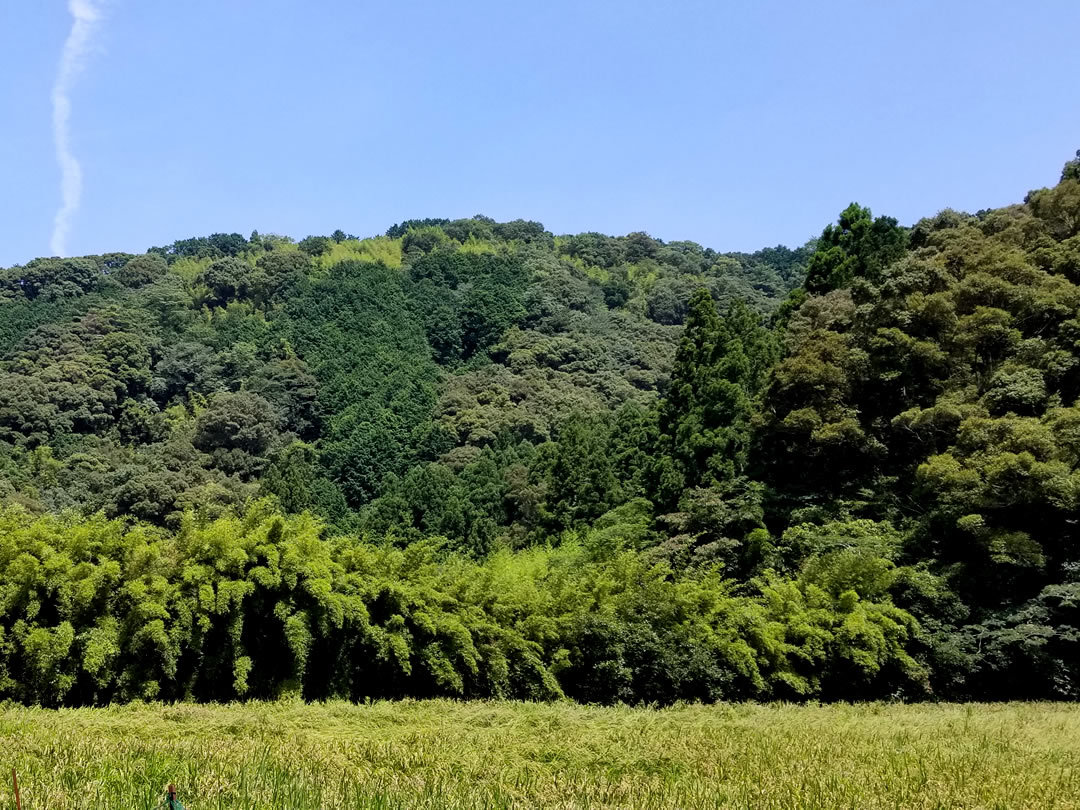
(474, 458)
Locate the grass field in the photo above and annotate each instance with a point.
(442, 754)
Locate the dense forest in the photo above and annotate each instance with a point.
(474, 458)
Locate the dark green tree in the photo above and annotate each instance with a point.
(228, 280)
(581, 484)
(1071, 170)
(858, 246)
(315, 245)
(705, 417)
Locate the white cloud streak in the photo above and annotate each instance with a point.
(86, 15)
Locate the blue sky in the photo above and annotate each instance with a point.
(737, 125)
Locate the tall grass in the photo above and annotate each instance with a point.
(443, 754)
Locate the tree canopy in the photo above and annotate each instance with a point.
(476, 458)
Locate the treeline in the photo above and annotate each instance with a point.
(264, 605)
(218, 369)
(841, 471)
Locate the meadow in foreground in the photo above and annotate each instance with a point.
(443, 754)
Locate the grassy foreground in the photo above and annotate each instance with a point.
(442, 754)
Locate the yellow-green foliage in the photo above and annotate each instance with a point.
(443, 754)
(643, 273)
(376, 249)
(474, 245)
(261, 605)
(600, 274)
(188, 268)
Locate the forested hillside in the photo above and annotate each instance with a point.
(475, 458)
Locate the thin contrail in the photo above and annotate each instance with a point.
(85, 14)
